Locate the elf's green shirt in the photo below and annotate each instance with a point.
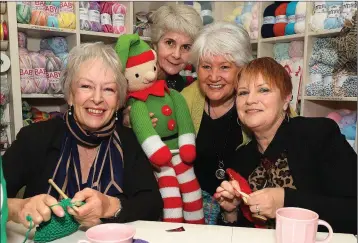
(169, 107)
(4, 209)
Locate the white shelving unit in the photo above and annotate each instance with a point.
(310, 106)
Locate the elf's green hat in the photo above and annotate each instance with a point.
(133, 51)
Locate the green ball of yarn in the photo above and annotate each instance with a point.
(57, 227)
(23, 13)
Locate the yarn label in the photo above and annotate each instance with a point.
(83, 14)
(27, 79)
(51, 10)
(106, 19)
(300, 17)
(281, 19)
(118, 19)
(320, 7)
(38, 5)
(94, 16)
(206, 12)
(291, 19)
(334, 11)
(269, 20)
(349, 7)
(67, 7)
(54, 79)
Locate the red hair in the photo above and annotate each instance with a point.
(272, 72)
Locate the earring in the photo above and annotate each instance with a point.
(237, 120)
(70, 110)
(116, 116)
(288, 117)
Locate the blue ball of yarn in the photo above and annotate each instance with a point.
(333, 22)
(290, 11)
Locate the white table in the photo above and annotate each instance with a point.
(154, 232)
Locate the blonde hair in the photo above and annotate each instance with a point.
(223, 39)
(177, 18)
(88, 51)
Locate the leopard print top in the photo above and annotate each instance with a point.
(272, 174)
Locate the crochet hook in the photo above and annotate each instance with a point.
(61, 193)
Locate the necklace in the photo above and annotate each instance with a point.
(220, 172)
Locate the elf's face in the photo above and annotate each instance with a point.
(141, 76)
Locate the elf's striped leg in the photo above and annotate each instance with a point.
(190, 191)
(169, 189)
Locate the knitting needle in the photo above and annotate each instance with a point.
(61, 192)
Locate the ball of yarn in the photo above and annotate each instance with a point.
(281, 20)
(63, 57)
(254, 25)
(269, 21)
(348, 10)
(39, 67)
(94, 16)
(300, 17)
(52, 9)
(22, 39)
(335, 116)
(206, 12)
(106, 16)
(84, 21)
(38, 13)
(280, 51)
(66, 15)
(291, 18)
(26, 72)
(319, 16)
(333, 20)
(55, 44)
(295, 49)
(53, 72)
(119, 12)
(23, 12)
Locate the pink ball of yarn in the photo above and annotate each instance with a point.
(119, 12)
(295, 49)
(26, 72)
(106, 16)
(335, 116)
(53, 72)
(39, 67)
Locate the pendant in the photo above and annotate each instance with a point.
(220, 174)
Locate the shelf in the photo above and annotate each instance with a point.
(253, 41)
(286, 38)
(42, 96)
(324, 33)
(36, 31)
(331, 98)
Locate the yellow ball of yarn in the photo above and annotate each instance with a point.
(237, 11)
(67, 20)
(230, 18)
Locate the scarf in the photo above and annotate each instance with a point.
(106, 173)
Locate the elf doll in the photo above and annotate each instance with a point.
(171, 144)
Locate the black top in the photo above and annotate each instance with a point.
(217, 140)
(32, 157)
(322, 164)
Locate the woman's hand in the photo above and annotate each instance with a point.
(38, 207)
(267, 201)
(227, 196)
(127, 120)
(97, 206)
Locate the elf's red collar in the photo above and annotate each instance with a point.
(157, 89)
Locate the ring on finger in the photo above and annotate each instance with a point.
(257, 209)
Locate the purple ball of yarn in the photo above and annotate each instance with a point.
(40, 76)
(63, 57)
(53, 73)
(26, 72)
(55, 44)
(94, 16)
(22, 39)
(47, 53)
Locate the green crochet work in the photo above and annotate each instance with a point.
(56, 227)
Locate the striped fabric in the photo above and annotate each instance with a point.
(106, 173)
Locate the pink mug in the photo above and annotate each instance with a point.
(299, 225)
(109, 233)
